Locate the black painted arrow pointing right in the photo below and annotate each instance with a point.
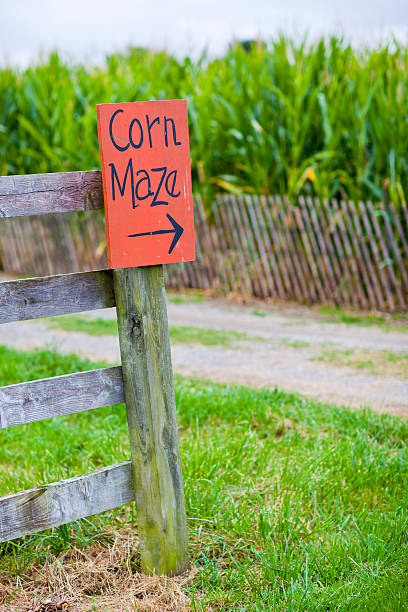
(177, 231)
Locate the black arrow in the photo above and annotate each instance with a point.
(177, 231)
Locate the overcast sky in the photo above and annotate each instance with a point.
(89, 29)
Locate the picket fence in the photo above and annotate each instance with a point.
(313, 251)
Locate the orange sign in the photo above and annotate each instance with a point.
(145, 158)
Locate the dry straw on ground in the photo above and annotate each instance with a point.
(98, 578)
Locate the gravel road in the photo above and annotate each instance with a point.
(271, 362)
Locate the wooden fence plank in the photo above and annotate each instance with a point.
(403, 236)
(264, 258)
(151, 412)
(35, 247)
(363, 278)
(50, 397)
(301, 242)
(404, 209)
(372, 241)
(344, 293)
(256, 269)
(65, 501)
(46, 246)
(200, 267)
(223, 260)
(249, 246)
(21, 245)
(11, 237)
(330, 236)
(299, 247)
(24, 250)
(229, 246)
(34, 298)
(235, 237)
(207, 254)
(395, 248)
(38, 194)
(7, 255)
(387, 262)
(72, 264)
(372, 273)
(287, 222)
(10, 245)
(318, 236)
(359, 300)
(278, 238)
(318, 270)
(243, 244)
(269, 252)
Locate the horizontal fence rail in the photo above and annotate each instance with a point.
(313, 251)
(61, 502)
(34, 298)
(38, 194)
(61, 395)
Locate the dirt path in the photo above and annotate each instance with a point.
(292, 339)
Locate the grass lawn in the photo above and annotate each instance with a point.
(184, 334)
(388, 322)
(291, 504)
(383, 362)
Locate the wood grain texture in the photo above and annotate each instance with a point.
(372, 241)
(368, 260)
(267, 284)
(258, 282)
(324, 219)
(39, 194)
(34, 298)
(269, 254)
(363, 279)
(229, 247)
(277, 245)
(151, 411)
(344, 289)
(319, 244)
(387, 263)
(50, 397)
(235, 234)
(203, 244)
(65, 501)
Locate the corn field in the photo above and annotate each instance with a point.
(320, 120)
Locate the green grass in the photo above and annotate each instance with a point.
(85, 325)
(291, 117)
(292, 505)
(380, 362)
(187, 297)
(258, 313)
(389, 322)
(295, 343)
(184, 334)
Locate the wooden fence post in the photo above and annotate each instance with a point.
(151, 413)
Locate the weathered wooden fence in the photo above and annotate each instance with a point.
(144, 381)
(340, 253)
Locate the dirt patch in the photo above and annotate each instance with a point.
(293, 337)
